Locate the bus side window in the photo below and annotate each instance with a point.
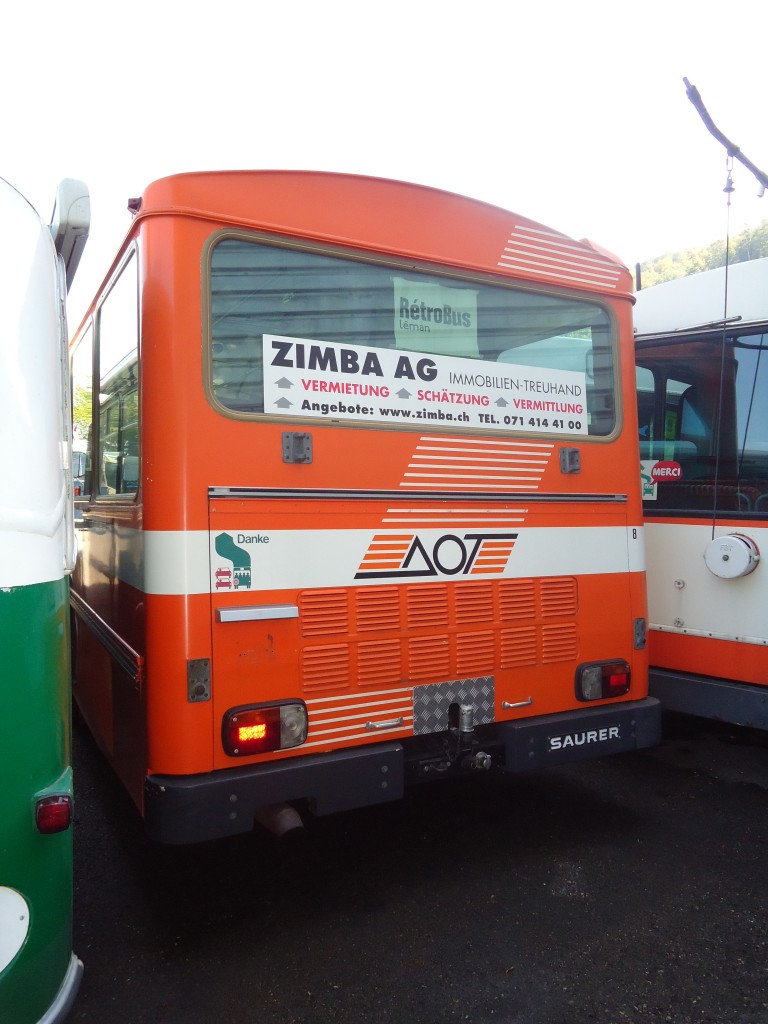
(82, 416)
(118, 346)
(691, 424)
(752, 413)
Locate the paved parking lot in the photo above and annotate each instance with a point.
(631, 889)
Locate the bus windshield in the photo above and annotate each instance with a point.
(270, 306)
(700, 411)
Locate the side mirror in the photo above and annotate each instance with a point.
(70, 222)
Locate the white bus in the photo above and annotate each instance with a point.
(702, 375)
(39, 973)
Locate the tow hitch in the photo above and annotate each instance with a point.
(459, 744)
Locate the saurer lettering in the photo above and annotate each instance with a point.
(581, 739)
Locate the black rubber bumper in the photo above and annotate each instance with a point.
(195, 808)
(535, 743)
(724, 700)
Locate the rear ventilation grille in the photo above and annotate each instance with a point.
(518, 647)
(378, 608)
(559, 643)
(474, 654)
(427, 606)
(558, 597)
(517, 600)
(324, 612)
(429, 658)
(474, 603)
(326, 668)
(398, 635)
(378, 663)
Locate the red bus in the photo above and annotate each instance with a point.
(360, 504)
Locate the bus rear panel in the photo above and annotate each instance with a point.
(360, 504)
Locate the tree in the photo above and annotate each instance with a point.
(81, 411)
(750, 244)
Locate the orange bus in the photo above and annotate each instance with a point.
(702, 373)
(360, 504)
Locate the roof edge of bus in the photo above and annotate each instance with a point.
(599, 250)
(156, 199)
(697, 301)
(607, 254)
(347, 175)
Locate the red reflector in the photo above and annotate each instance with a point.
(618, 683)
(53, 813)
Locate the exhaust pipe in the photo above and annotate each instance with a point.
(278, 818)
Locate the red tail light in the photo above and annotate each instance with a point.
(601, 680)
(257, 729)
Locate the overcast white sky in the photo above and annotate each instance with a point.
(572, 113)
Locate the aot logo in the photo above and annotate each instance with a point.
(392, 556)
(666, 471)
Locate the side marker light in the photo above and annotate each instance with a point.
(53, 813)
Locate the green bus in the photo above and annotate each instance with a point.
(39, 973)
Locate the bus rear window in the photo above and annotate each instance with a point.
(295, 332)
